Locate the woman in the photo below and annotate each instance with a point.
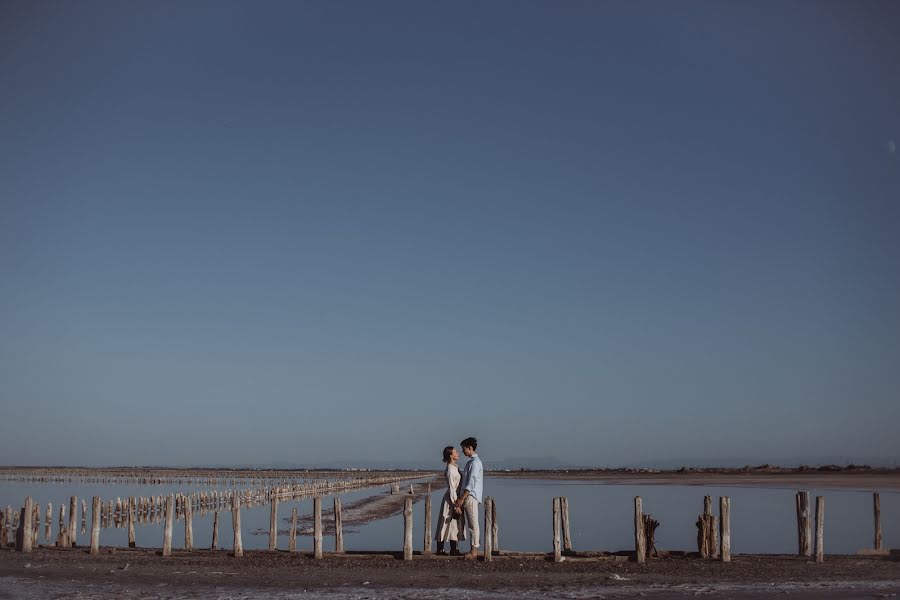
(450, 523)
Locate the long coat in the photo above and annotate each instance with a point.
(451, 527)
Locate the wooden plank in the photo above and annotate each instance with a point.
(188, 523)
(273, 525)
(495, 533)
(804, 531)
(214, 545)
(426, 538)
(131, 516)
(488, 530)
(73, 522)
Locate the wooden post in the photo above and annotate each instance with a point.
(804, 533)
(488, 530)
(407, 529)
(27, 526)
(292, 540)
(715, 550)
(820, 529)
(317, 528)
(338, 526)
(215, 535)
(73, 522)
(725, 525)
(426, 539)
(170, 519)
(273, 524)
(557, 544)
(495, 529)
(236, 525)
(566, 535)
(131, 541)
(640, 543)
(62, 538)
(4, 528)
(876, 497)
(95, 525)
(188, 524)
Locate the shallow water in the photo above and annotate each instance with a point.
(762, 519)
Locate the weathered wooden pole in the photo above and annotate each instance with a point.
(557, 526)
(804, 532)
(273, 524)
(131, 540)
(820, 529)
(4, 528)
(495, 528)
(488, 530)
(292, 540)
(236, 525)
(426, 538)
(876, 498)
(640, 543)
(566, 535)
(725, 525)
(73, 521)
(95, 525)
(62, 537)
(407, 529)
(188, 524)
(338, 526)
(215, 534)
(48, 518)
(27, 527)
(317, 528)
(170, 519)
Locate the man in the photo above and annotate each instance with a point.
(469, 500)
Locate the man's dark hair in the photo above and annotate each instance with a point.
(447, 451)
(469, 442)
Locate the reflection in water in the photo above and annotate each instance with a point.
(762, 519)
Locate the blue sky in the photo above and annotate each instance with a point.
(235, 232)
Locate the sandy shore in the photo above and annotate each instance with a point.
(49, 572)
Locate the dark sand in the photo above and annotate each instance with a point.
(49, 572)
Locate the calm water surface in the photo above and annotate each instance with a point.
(762, 519)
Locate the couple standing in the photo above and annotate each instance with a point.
(459, 509)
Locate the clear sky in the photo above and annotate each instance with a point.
(234, 232)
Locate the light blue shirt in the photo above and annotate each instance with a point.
(474, 477)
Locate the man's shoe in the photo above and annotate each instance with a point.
(455, 552)
(441, 553)
(473, 555)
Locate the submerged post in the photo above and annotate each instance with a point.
(338, 526)
(820, 529)
(236, 525)
(557, 546)
(876, 498)
(725, 525)
(95, 525)
(317, 528)
(640, 543)
(495, 529)
(188, 524)
(407, 529)
(566, 535)
(215, 534)
(170, 519)
(804, 533)
(73, 522)
(426, 538)
(131, 506)
(292, 540)
(27, 526)
(488, 530)
(273, 524)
